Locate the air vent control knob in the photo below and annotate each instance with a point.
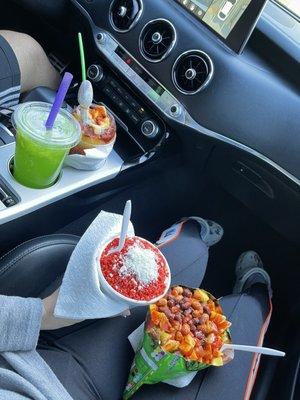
(122, 11)
(149, 129)
(156, 37)
(95, 73)
(190, 74)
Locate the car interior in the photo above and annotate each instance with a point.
(207, 125)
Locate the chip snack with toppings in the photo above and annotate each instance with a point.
(184, 332)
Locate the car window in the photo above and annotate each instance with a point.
(293, 6)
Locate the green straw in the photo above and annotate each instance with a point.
(82, 57)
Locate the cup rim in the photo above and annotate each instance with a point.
(50, 142)
(121, 296)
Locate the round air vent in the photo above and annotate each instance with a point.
(124, 14)
(192, 71)
(157, 39)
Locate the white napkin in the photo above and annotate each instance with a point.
(92, 160)
(84, 163)
(80, 296)
(135, 339)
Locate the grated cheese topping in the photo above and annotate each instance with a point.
(140, 263)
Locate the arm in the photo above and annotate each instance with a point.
(49, 322)
(22, 319)
(20, 323)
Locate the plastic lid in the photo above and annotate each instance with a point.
(31, 117)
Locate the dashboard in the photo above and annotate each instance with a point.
(196, 81)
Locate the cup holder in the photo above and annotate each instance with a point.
(11, 167)
(11, 172)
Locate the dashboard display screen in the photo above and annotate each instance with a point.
(231, 20)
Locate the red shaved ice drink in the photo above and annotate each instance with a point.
(138, 273)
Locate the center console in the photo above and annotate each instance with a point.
(6, 135)
(140, 133)
(141, 79)
(17, 200)
(8, 197)
(144, 127)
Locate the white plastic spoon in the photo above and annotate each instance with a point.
(124, 229)
(85, 99)
(253, 349)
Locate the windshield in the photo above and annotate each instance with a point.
(292, 5)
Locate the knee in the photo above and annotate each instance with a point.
(27, 50)
(34, 65)
(25, 47)
(20, 41)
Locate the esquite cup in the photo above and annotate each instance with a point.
(114, 294)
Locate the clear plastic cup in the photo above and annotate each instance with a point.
(40, 153)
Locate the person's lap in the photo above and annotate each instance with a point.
(92, 359)
(101, 347)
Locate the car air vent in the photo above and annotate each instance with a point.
(192, 71)
(157, 39)
(124, 14)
